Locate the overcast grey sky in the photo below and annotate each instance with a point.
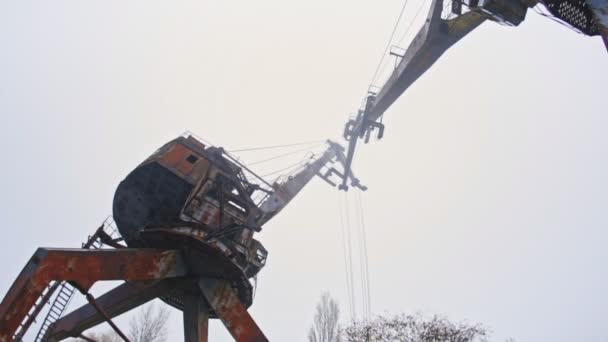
(487, 197)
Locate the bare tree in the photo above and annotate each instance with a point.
(414, 328)
(108, 336)
(325, 326)
(149, 325)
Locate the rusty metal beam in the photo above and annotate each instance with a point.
(227, 306)
(83, 267)
(114, 302)
(196, 318)
(31, 318)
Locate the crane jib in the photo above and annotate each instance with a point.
(433, 39)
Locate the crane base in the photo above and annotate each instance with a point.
(149, 274)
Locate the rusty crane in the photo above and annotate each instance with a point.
(188, 214)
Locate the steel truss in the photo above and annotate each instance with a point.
(149, 274)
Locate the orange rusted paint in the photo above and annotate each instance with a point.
(175, 158)
(190, 139)
(231, 311)
(83, 267)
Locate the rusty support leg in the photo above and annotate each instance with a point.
(84, 267)
(230, 310)
(196, 318)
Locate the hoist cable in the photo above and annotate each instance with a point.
(282, 155)
(360, 244)
(399, 41)
(350, 254)
(361, 253)
(293, 166)
(365, 255)
(277, 146)
(345, 253)
(422, 3)
(388, 44)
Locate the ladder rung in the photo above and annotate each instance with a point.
(66, 289)
(57, 310)
(66, 294)
(62, 299)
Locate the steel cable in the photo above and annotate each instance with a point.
(350, 254)
(282, 155)
(365, 255)
(345, 252)
(277, 146)
(388, 44)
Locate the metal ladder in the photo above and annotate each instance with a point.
(38, 306)
(65, 291)
(63, 298)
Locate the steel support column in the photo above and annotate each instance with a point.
(196, 318)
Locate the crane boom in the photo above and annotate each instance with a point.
(284, 192)
(435, 37)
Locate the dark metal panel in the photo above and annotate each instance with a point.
(576, 13)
